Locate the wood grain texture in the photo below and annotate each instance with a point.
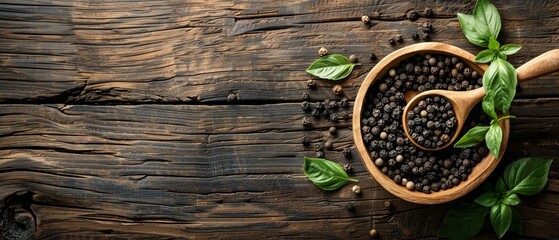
(201, 171)
(177, 51)
(114, 125)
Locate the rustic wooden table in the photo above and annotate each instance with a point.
(114, 122)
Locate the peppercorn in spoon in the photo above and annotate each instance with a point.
(463, 101)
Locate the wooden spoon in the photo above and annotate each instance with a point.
(463, 101)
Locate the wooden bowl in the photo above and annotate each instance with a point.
(479, 173)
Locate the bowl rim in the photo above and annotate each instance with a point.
(479, 173)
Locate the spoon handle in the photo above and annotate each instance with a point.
(541, 65)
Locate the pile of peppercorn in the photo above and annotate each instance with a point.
(384, 137)
(328, 109)
(432, 122)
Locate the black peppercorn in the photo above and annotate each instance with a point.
(320, 105)
(343, 102)
(427, 27)
(350, 207)
(306, 106)
(306, 96)
(347, 152)
(372, 56)
(333, 104)
(415, 36)
(334, 117)
(319, 154)
(425, 37)
(399, 38)
(306, 122)
(392, 41)
(412, 15)
(427, 12)
(305, 140)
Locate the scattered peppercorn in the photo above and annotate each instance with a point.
(306, 122)
(350, 207)
(306, 106)
(347, 152)
(328, 144)
(427, 27)
(428, 12)
(356, 189)
(333, 130)
(305, 140)
(232, 97)
(323, 51)
(311, 83)
(353, 58)
(392, 41)
(388, 205)
(412, 15)
(415, 36)
(319, 154)
(372, 56)
(365, 19)
(306, 96)
(425, 37)
(399, 38)
(343, 102)
(337, 89)
(334, 117)
(373, 233)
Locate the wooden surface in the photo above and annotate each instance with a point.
(114, 124)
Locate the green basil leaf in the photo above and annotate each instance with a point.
(487, 199)
(501, 218)
(332, 67)
(510, 49)
(516, 224)
(490, 75)
(501, 55)
(500, 187)
(463, 221)
(493, 139)
(511, 199)
(488, 16)
(473, 137)
(493, 44)
(527, 176)
(473, 30)
(326, 174)
(485, 56)
(488, 105)
(501, 82)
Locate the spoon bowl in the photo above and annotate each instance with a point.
(462, 102)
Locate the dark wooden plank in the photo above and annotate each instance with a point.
(168, 171)
(176, 51)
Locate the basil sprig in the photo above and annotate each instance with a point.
(332, 67)
(326, 174)
(499, 81)
(526, 176)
